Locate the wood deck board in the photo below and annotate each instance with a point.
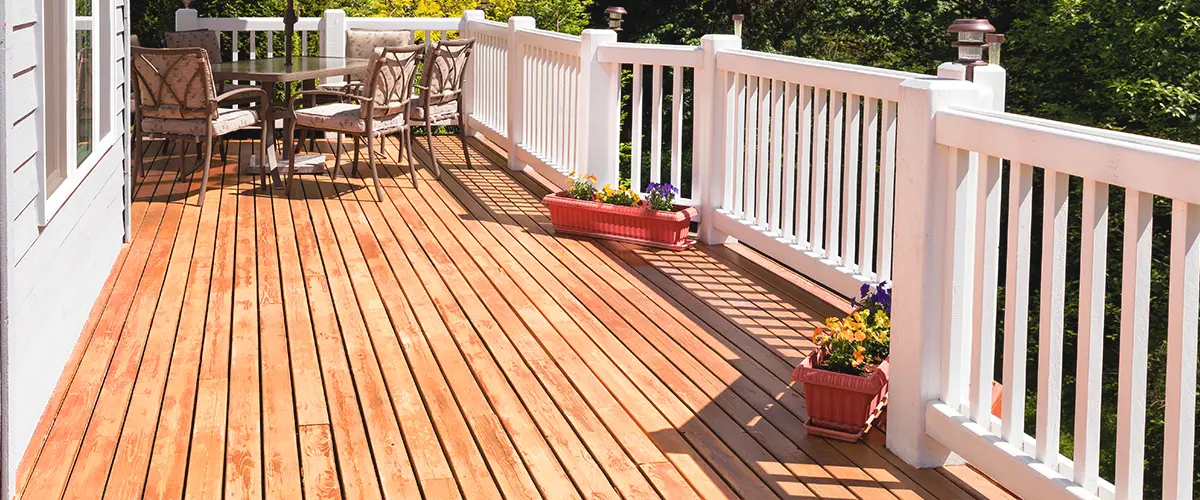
(440, 342)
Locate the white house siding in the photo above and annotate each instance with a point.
(49, 276)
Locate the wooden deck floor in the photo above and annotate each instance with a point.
(438, 343)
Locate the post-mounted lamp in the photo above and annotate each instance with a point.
(994, 41)
(971, 40)
(737, 24)
(615, 15)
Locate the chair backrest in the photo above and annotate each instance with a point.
(361, 44)
(390, 80)
(203, 38)
(173, 83)
(445, 68)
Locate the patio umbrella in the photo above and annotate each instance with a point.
(289, 29)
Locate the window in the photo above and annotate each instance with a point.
(78, 91)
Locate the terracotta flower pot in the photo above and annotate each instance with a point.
(840, 405)
(641, 225)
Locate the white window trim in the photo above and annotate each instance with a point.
(57, 109)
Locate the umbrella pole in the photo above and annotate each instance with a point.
(289, 24)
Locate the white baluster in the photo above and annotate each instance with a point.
(656, 124)
(837, 124)
(888, 193)
(1016, 303)
(635, 133)
(870, 170)
(1135, 338)
(1182, 330)
(677, 126)
(763, 167)
(804, 186)
(1093, 263)
(775, 188)
(851, 160)
(1050, 330)
(820, 135)
(987, 273)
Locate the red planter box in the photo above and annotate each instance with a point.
(840, 405)
(644, 226)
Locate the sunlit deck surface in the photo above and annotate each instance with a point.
(440, 343)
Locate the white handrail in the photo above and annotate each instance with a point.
(1164, 168)
(861, 80)
(256, 23)
(652, 54)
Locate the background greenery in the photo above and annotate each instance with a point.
(1131, 65)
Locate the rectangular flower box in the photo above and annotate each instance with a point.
(839, 405)
(641, 225)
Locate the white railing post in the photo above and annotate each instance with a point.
(992, 76)
(333, 37)
(516, 89)
(924, 285)
(186, 19)
(468, 95)
(599, 117)
(714, 133)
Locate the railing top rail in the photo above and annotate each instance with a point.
(651, 54)
(549, 40)
(486, 25)
(256, 23)
(1156, 166)
(404, 23)
(852, 78)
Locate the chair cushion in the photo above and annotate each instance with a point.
(206, 39)
(439, 113)
(361, 44)
(345, 117)
(228, 120)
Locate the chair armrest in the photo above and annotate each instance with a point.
(236, 92)
(264, 100)
(333, 93)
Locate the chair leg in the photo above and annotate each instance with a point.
(262, 160)
(462, 129)
(437, 167)
(337, 158)
(224, 152)
(412, 167)
(183, 146)
(354, 169)
(371, 161)
(208, 147)
(138, 168)
(462, 132)
(289, 140)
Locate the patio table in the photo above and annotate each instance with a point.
(271, 71)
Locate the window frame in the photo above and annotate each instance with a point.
(58, 106)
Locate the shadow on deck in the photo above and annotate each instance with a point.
(442, 343)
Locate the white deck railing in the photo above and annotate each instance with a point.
(846, 172)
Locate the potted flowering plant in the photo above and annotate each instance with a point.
(621, 214)
(845, 378)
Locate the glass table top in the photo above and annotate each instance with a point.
(274, 70)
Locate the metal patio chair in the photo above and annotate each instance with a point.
(381, 108)
(439, 98)
(176, 99)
